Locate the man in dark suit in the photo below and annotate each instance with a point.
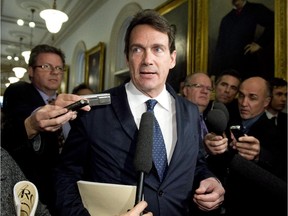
(246, 41)
(29, 122)
(247, 192)
(277, 113)
(101, 144)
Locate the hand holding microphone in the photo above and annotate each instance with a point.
(216, 121)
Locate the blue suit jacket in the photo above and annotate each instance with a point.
(101, 147)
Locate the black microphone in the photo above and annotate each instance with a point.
(263, 178)
(143, 153)
(216, 121)
(221, 106)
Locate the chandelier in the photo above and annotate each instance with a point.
(53, 18)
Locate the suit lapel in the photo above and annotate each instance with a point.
(122, 110)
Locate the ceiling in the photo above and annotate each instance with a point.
(11, 10)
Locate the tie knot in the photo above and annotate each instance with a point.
(51, 100)
(151, 104)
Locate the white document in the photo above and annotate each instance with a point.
(102, 199)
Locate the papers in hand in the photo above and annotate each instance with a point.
(106, 199)
(25, 198)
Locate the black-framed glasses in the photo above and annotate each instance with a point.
(199, 86)
(49, 68)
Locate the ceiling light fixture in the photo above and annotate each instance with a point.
(26, 54)
(19, 71)
(53, 18)
(13, 79)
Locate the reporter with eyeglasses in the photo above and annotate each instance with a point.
(30, 126)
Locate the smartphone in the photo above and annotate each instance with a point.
(236, 130)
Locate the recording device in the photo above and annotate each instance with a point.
(236, 130)
(143, 154)
(91, 100)
(77, 105)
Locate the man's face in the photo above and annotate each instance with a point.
(47, 81)
(253, 97)
(149, 59)
(198, 90)
(279, 98)
(226, 89)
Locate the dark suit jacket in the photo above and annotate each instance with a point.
(101, 146)
(20, 100)
(248, 193)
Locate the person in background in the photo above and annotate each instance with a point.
(275, 111)
(102, 142)
(197, 89)
(246, 41)
(261, 146)
(30, 128)
(82, 89)
(278, 100)
(226, 89)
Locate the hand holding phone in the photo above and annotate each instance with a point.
(237, 132)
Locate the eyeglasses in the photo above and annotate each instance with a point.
(198, 86)
(49, 68)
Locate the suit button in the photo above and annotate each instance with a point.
(160, 193)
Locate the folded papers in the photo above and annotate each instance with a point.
(106, 199)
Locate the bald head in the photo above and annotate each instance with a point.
(254, 97)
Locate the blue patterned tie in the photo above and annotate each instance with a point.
(158, 150)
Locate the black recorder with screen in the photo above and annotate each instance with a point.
(91, 100)
(237, 131)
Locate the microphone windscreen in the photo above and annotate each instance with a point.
(221, 106)
(143, 153)
(216, 121)
(259, 176)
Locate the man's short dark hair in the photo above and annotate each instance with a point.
(230, 72)
(79, 87)
(155, 20)
(44, 48)
(277, 82)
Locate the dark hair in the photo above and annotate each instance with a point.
(230, 72)
(277, 82)
(79, 87)
(154, 19)
(44, 48)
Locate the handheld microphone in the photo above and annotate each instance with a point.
(216, 121)
(143, 154)
(221, 106)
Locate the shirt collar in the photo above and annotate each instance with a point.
(137, 98)
(247, 124)
(270, 115)
(45, 97)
